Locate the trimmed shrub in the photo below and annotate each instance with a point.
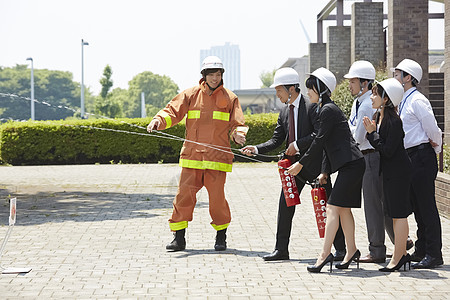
(80, 142)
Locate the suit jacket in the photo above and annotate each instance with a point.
(307, 127)
(395, 167)
(395, 164)
(333, 145)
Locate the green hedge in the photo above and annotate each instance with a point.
(77, 142)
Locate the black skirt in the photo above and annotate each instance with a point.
(346, 191)
(396, 192)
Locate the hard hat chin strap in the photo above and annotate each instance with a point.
(401, 74)
(213, 89)
(388, 102)
(382, 99)
(362, 87)
(290, 95)
(320, 95)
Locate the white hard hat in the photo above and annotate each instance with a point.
(212, 62)
(326, 77)
(361, 69)
(285, 76)
(411, 67)
(393, 89)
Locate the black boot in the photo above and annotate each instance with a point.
(221, 238)
(178, 243)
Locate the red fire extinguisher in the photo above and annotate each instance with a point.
(319, 198)
(288, 183)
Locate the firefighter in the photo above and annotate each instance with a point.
(213, 116)
(423, 140)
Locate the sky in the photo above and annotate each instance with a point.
(164, 37)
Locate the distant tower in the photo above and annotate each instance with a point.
(231, 58)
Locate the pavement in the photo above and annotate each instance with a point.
(99, 232)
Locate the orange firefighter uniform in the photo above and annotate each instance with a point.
(210, 119)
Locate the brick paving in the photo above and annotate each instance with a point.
(99, 232)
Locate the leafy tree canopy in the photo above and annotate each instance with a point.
(158, 90)
(54, 87)
(106, 81)
(58, 89)
(267, 78)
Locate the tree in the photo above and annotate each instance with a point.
(267, 78)
(56, 88)
(108, 107)
(106, 82)
(57, 95)
(158, 90)
(111, 106)
(105, 105)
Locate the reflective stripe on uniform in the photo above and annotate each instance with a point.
(204, 164)
(219, 115)
(167, 118)
(220, 227)
(193, 114)
(178, 225)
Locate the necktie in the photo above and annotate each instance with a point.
(357, 106)
(291, 124)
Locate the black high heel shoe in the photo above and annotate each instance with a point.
(406, 259)
(317, 269)
(355, 257)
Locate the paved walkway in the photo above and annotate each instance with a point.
(99, 231)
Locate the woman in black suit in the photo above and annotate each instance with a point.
(334, 148)
(286, 82)
(396, 168)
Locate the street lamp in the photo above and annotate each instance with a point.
(83, 43)
(32, 88)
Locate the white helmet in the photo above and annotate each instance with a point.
(361, 69)
(212, 62)
(285, 76)
(393, 89)
(326, 77)
(411, 67)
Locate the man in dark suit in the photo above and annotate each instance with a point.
(298, 139)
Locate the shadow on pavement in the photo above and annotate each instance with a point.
(229, 251)
(81, 206)
(352, 271)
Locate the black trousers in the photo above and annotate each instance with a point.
(429, 231)
(285, 215)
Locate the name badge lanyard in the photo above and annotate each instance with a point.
(402, 104)
(352, 121)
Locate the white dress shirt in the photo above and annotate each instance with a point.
(355, 121)
(296, 104)
(418, 119)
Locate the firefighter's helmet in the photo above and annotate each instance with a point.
(212, 62)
